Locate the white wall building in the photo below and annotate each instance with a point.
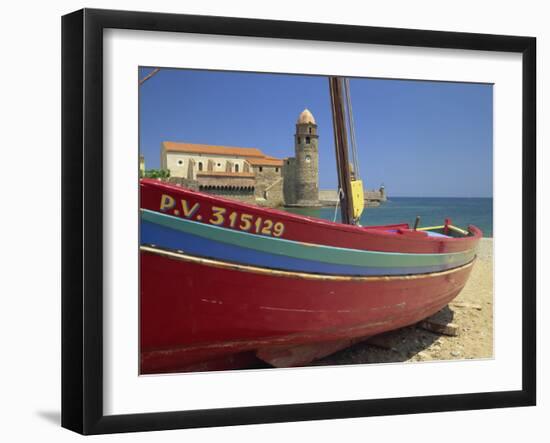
(186, 160)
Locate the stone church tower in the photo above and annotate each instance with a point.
(302, 171)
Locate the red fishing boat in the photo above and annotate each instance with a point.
(224, 283)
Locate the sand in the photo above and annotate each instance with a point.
(471, 311)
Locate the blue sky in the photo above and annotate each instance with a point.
(419, 138)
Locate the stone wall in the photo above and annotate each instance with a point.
(379, 195)
(269, 185)
(223, 180)
(184, 182)
(272, 195)
(289, 181)
(244, 195)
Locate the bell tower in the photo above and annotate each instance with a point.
(306, 147)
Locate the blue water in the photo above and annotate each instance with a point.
(432, 212)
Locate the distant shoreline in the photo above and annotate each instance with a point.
(424, 196)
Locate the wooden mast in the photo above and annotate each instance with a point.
(336, 86)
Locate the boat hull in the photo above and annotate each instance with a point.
(194, 310)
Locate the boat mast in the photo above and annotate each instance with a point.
(336, 86)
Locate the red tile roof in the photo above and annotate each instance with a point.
(212, 149)
(253, 155)
(266, 161)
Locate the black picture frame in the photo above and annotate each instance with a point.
(82, 218)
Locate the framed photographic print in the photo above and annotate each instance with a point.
(269, 221)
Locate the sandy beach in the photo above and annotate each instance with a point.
(471, 312)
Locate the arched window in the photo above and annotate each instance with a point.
(308, 140)
(309, 130)
(237, 167)
(200, 166)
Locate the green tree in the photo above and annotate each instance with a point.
(157, 173)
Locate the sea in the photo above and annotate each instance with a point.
(432, 212)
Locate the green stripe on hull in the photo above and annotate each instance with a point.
(307, 251)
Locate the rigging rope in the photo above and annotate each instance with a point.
(349, 110)
(339, 196)
(148, 76)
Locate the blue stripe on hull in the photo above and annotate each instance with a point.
(164, 237)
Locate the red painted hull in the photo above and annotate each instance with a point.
(296, 227)
(194, 311)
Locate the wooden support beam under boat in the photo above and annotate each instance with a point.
(439, 327)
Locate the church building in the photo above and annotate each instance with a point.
(248, 174)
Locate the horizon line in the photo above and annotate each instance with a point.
(438, 196)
